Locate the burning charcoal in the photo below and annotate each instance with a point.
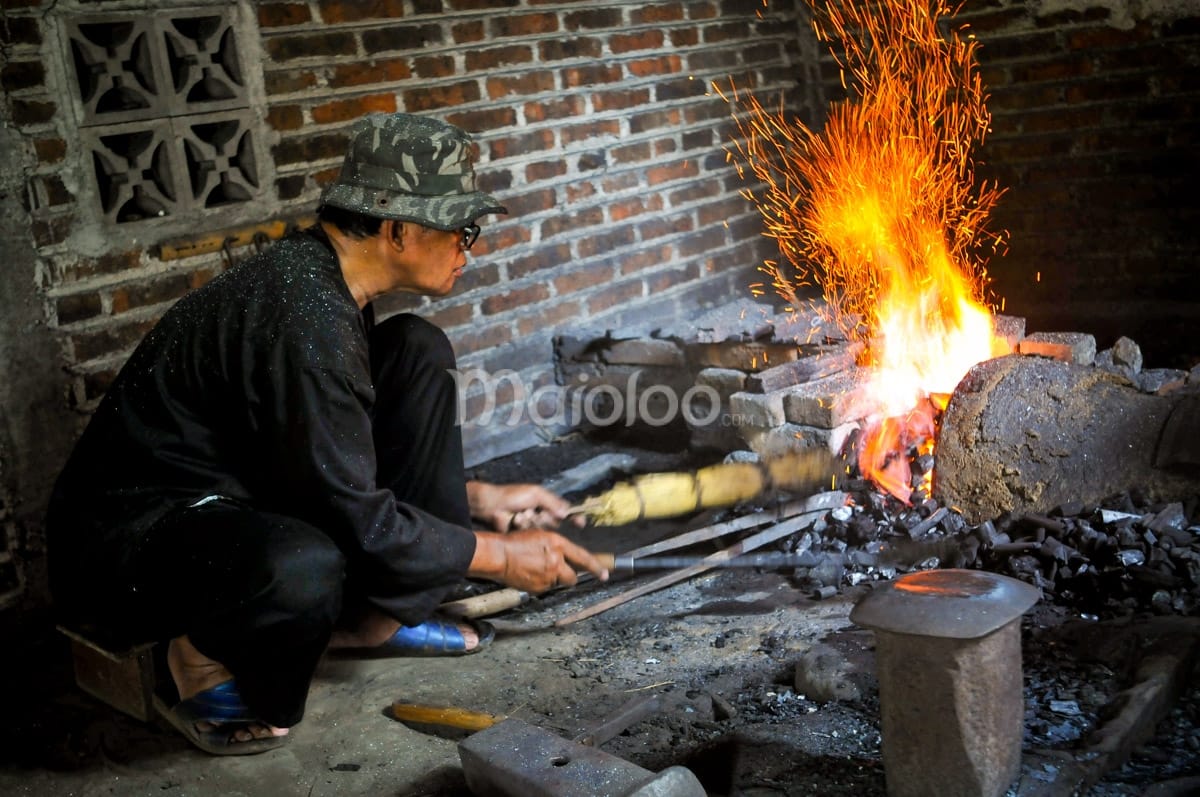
(923, 464)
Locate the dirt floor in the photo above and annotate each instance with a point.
(721, 650)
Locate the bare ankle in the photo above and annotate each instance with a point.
(191, 670)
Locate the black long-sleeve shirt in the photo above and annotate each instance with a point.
(256, 386)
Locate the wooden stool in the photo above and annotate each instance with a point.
(123, 678)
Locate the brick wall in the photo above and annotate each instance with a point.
(1095, 134)
(596, 126)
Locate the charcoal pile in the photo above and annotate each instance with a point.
(1124, 555)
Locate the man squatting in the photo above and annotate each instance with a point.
(272, 474)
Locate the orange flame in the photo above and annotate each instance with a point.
(882, 211)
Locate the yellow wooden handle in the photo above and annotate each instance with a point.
(449, 716)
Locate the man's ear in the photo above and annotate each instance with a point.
(393, 232)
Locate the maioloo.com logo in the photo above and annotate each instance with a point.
(580, 403)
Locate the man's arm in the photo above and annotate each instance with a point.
(531, 560)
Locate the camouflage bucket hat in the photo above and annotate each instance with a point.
(410, 168)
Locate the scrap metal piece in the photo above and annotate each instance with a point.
(515, 759)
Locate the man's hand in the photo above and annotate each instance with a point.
(531, 560)
(506, 507)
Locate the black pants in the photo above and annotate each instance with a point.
(261, 592)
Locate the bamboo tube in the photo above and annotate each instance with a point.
(661, 495)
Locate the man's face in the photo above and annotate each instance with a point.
(434, 259)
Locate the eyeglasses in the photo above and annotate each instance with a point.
(470, 234)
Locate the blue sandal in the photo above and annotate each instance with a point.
(436, 637)
(223, 706)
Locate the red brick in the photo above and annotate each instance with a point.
(543, 257)
(18, 75)
(545, 170)
(640, 40)
(679, 88)
(508, 237)
(577, 191)
(404, 38)
(417, 100)
(523, 24)
(644, 258)
(608, 298)
(588, 217)
(52, 230)
(672, 171)
(602, 129)
(346, 110)
(996, 19)
(452, 316)
(702, 11)
(310, 148)
(632, 153)
(658, 119)
(523, 84)
(285, 117)
(1107, 89)
(592, 19)
(583, 277)
(19, 30)
(468, 32)
(556, 108)
(621, 209)
(481, 60)
(32, 112)
(476, 274)
(613, 238)
(483, 121)
(685, 37)
(77, 307)
(278, 15)
(360, 73)
(293, 47)
(649, 67)
(1053, 70)
(531, 202)
(434, 66)
(701, 242)
(1024, 97)
(726, 31)
(719, 211)
(562, 49)
(619, 100)
(473, 339)
(660, 226)
(665, 12)
(289, 82)
(696, 191)
(99, 343)
(50, 150)
(585, 76)
(338, 11)
(548, 317)
(667, 279)
(522, 144)
(1072, 16)
(145, 294)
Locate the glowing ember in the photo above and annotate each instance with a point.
(882, 211)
